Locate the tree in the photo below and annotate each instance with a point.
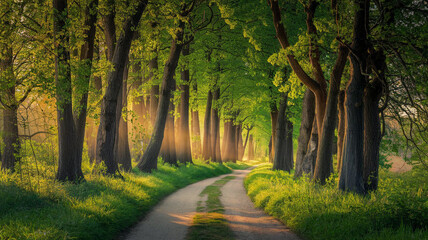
(107, 129)
(86, 57)
(351, 177)
(68, 160)
(318, 85)
(184, 153)
(308, 113)
(148, 161)
(196, 131)
(279, 162)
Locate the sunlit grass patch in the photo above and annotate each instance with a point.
(210, 223)
(398, 210)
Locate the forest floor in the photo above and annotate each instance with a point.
(172, 218)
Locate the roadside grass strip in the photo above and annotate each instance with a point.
(209, 223)
(397, 210)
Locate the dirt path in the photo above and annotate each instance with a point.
(247, 222)
(170, 219)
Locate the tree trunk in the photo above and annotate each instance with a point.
(148, 161)
(184, 152)
(154, 91)
(68, 166)
(340, 129)
(196, 135)
(308, 113)
(251, 148)
(351, 178)
(107, 129)
(86, 56)
(12, 145)
(231, 146)
(289, 163)
(168, 149)
(274, 120)
(324, 162)
(138, 104)
(281, 136)
(11, 141)
(245, 143)
(308, 163)
(215, 127)
(207, 127)
(270, 149)
(91, 138)
(196, 131)
(110, 28)
(226, 129)
(372, 134)
(122, 155)
(239, 142)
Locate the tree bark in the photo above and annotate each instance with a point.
(184, 152)
(86, 56)
(154, 91)
(207, 127)
(324, 162)
(226, 129)
(351, 178)
(239, 142)
(138, 104)
(231, 155)
(107, 129)
(372, 135)
(308, 113)
(148, 161)
(281, 136)
(289, 163)
(215, 127)
(122, 155)
(196, 131)
(274, 121)
(340, 129)
(91, 138)
(251, 148)
(68, 166)
(270, 149)
(308, 164)
(168, 149)
(246, 141)
(110, 28)
(12, 145)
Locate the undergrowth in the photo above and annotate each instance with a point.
(35, 206)
(398, 210)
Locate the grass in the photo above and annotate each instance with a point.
(398, 210)
(34, 206)
(210, 223)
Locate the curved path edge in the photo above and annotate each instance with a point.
(171, 218)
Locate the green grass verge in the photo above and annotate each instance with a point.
(210, 223)
(34, 206)
(398, 210)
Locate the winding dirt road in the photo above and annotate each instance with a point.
(170, 219)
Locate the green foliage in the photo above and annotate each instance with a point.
(34, 206)
(398, 210)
